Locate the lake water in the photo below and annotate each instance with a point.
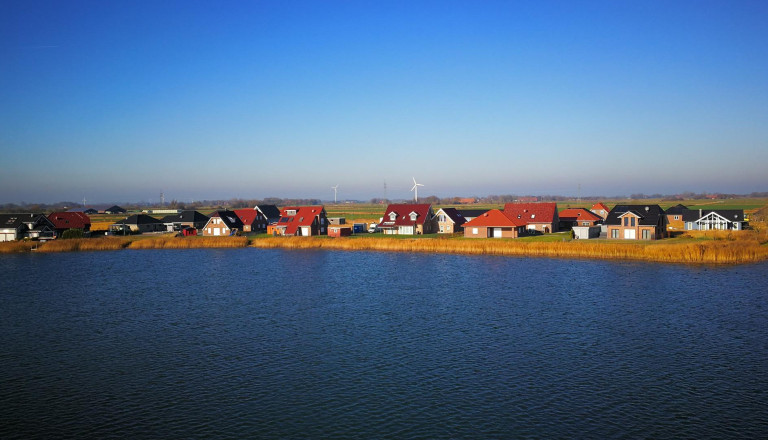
(251, 343)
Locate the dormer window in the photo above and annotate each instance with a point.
(413, 216)
(290, 212)
(392, 216)
(533, 215)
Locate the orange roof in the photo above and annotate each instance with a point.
(572, 214)
(598, 206)
(494, 218)
(532, 212)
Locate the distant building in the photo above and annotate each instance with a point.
(137, 223)
(301, 221)
(449, 220)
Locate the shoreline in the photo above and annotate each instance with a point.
(717, 251)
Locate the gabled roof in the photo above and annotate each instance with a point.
(495, 218)
(114, 209)
(305, 216)
(138, 219)
(454, 215)
(733, 215)
(649, 215)
(576, 214)
(271, 212)
(599, 206)
(403, 213)
(532, 212)
(69, 220)
(230, 219)
(185, 217)
(676, 210)
(247, 216)
(30, 220)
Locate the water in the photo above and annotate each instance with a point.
(281, 344)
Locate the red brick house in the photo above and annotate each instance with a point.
(408, 219)
(636, 222)
(541, 217)
(223, 223)
(495, 224)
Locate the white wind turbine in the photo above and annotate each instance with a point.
(415, 190)
(334, 188)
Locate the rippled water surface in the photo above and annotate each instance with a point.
(280, 344)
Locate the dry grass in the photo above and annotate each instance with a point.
(85, 244)
(717, 252)
(10, 247)
(171, 242)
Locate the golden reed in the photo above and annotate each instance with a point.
(716, 252)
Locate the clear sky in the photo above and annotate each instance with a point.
(120, 100)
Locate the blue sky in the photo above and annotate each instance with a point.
(120, 100)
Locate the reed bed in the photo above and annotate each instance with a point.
(10, 247)
(85, 244)
(710, 252)
(170, 242)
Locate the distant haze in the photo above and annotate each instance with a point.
(120, 101)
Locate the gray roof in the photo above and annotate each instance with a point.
(455, 215)
(14, 221)
(185, 217)
(138, 219)
(650, 215)
(271, 212)
(675, 210)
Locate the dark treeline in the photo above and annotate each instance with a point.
(237, 203)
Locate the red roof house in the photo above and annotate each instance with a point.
(494, 224)
(408, 219)
(69, 220)
(577, 217)
(302, 221)
(540, 217)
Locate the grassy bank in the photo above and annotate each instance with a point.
(712, 247)
(688, 251)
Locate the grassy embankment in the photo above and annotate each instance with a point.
(713, 248)
(166, 241)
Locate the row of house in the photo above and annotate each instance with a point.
(627, 222)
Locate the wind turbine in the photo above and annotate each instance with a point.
(334, 188)
(415, 190)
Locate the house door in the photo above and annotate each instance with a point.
(496, 232)
(629, 234)
(305, 231)
(216, 231)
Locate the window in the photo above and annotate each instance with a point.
(442, 228)
(614, 233)
(474, 231)
(413, 216)
(646, 234)
(626, 221)
(392, 216)
(677, 217)
(632, 221)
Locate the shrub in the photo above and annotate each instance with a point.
(72, 233)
